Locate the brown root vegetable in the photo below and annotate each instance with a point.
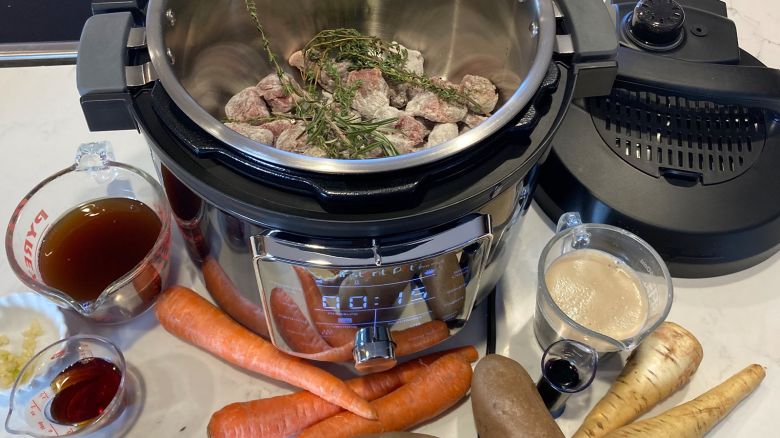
(506, 403)
(661, 365)
(695, 418)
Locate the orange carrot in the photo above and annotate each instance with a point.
(429, 394)
(228, 297)
(293, 325)
(408, 341)
(286, 415)
(420, 337)
(327, 322)
(188, 316)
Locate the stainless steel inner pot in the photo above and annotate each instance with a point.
(205, 51)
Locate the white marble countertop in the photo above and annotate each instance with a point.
(178, 386)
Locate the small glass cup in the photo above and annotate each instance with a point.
(552, 324)
(32, 393)
(93, 176)
(556, 385)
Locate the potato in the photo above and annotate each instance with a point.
(506, 403)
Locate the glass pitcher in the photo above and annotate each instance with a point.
(551, 323)
(92, 177)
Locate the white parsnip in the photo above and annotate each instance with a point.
(697, 417)
(661, 365)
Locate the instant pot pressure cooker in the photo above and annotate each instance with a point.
(335, 259)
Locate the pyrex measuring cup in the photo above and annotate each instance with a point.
(32, 396)
(552, 324)
(93, 176)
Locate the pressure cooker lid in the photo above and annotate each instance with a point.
(204, 52)
(683, 152)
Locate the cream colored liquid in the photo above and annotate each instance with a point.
(599, 292)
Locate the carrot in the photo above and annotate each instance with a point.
(291, 323)
(335, 333)
(429, 394)
(228, 297)
(695, 418)
(662, 364)
(408, 341)
(286, 415)
(188, 316)
(420, 337)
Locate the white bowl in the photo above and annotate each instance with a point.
(17, 312)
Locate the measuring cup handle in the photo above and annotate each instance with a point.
(94, 156)
(568, 220)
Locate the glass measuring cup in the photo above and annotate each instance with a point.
(32, 393)
(94, 176)
(551, 323)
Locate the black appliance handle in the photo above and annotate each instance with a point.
(594, 44)
(101, 72)
(749, 86)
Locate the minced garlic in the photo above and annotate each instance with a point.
(11, 364)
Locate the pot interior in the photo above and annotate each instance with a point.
(217, 51)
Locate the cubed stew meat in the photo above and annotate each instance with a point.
(358, 97)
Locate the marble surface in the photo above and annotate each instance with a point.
(175, 387)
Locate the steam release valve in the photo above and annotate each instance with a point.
(374, 349)
(656, 24)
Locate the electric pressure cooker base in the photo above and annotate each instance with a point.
(353, 251)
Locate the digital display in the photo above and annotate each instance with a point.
(315, 310)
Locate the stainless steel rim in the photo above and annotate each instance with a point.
(502, 117)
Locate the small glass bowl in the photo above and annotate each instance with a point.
(32, 392)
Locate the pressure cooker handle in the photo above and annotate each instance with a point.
(100, 72)
(593, 43)
(105, 74)
(751, 86)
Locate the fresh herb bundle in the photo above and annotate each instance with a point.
(330, 125)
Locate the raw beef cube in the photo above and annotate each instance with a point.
(329, 83)
(481, 91)
(387, 112)
(272, 91)
(296, 60)
(247, 105)
(295, 140)
(406, 133)
(430, 106)
(412, 129)
(372, 94)
(472, 120)
(256, 133)
(398, 94)
(441, 133)
(278, 126)
(414, 61)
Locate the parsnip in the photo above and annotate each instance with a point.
(695, 418)
(662, 364)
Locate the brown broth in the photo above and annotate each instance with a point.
(95, 244)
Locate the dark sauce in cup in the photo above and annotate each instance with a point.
(95, 244)
(83, 391)
(558, 373)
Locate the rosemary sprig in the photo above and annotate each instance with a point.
(329, 125)
(364, 51)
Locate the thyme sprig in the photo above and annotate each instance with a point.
(329, 124)
(364, 51)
